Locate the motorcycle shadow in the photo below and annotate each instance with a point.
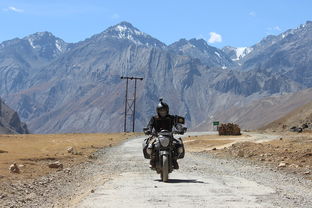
(181, 181)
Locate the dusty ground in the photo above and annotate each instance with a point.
(33, 153)
(290, 152)
(208, 142)
(115, 176)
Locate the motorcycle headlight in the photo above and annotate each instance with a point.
(164, 141)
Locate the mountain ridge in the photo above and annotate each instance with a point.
(198, 48)
(80, 90)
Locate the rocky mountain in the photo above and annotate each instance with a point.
(288, 53)
(22, 58)
(10, 121)
(46, 45)
(254, 82)
(60, 87)
(261, 112)
(198, 48)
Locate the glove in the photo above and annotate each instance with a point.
(180, 129)
(147, 132)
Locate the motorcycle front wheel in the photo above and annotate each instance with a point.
(165, 169)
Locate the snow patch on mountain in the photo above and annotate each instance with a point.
(217, 54)
(31, 43)
(125, 30)
(46, 44)
(59, 46)
(241, 52)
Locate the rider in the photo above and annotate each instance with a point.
(162, 121)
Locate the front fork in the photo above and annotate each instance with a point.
(160, 162)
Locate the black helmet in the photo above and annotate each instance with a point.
(162, 108)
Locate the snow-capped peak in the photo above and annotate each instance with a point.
(33, 39)
(126, 28)
(127, 31)
(47, 44)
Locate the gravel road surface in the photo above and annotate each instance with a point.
(202, 181)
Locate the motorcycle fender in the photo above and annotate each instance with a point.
(161, 153)
(164, 153)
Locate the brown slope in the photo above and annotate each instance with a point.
(261, 112)
(297, 117)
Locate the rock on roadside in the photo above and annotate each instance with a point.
(282, 165)
(56, 164)
(14, 168)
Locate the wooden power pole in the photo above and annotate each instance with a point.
(130, 103)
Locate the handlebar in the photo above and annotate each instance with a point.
(147, 132)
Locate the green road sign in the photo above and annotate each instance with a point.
(216, 123)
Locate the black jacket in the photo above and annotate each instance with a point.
(163, 123)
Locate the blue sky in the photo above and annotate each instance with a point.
(220, 22)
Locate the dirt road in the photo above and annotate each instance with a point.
(202, 181)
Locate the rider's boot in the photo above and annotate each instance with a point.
(153, 162)
(175, 163)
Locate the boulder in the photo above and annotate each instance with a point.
(282, 165)
(56, 164)
(14, 168)
(70, 149)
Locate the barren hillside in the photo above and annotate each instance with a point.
(297, 117)
(262, 112)
(10, 121)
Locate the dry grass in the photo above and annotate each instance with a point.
(35, 152)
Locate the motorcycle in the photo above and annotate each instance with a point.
(166, 147)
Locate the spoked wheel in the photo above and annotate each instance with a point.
(164, 175)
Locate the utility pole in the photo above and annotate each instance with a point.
(130, 103)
